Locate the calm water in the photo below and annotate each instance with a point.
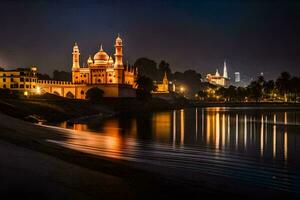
(255, 145)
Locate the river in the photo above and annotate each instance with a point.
(258, 146)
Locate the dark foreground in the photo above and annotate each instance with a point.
(36, 169)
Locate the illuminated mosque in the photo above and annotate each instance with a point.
(101, 71)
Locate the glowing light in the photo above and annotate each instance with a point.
(38, 90)
(182, 89)
(25, 93)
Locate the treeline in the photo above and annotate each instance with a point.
(57, 75)
(190, 80)
(284, 88)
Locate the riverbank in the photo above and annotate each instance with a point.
(139, 180)
(51, 108)
(244, 104)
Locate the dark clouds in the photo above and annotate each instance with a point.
(253, 36)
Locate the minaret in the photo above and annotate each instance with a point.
(165, 79)
(76, 55)
(165, 83)
(90, 61)
(118, 66)
(225, 75)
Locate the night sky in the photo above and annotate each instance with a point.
(253, 36)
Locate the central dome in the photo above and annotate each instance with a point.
(101, 55)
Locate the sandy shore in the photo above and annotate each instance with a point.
(41, 170)
(32, 175)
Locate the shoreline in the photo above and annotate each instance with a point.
(144, 180)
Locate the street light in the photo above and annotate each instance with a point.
(181, 89)
(25, 93)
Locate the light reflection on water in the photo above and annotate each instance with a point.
(253, 145)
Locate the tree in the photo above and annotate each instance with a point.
(164, 67)
(241, 93)
(190, 79)
(255, 91)
(223, 93)
(203, 95)
(269, 87)
(282, 84)
(43, 76)
(62, 75)
(147, 67)
(144, 87)
(94, 94)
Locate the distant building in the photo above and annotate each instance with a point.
(165, 86)
(217, 79)
(237, 77)
(21, 79)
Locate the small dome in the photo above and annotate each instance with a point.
(101, 55)
(110, 61)
(90, 60)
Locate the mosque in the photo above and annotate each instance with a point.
(101, 71)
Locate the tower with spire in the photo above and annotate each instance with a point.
(118, 66)
(225, 75)
(76, 55)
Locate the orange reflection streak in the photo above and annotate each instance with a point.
(223, 130)
(174, 126)
(266, 132)
(228, 129)
(217, 130)
(250, 127)
(236, 130)
(196, 124)
(181, 126)
(262, 136)
(245, 131)
(85, 141)
(213, 126)
(208, 128)
(162, 125)
(202, 122)
(274, 136)
(285, 143)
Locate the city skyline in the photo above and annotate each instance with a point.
(253, 37)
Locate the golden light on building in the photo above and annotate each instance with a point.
(38, 90)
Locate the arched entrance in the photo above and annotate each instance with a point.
(56, 93)
(70, 95)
